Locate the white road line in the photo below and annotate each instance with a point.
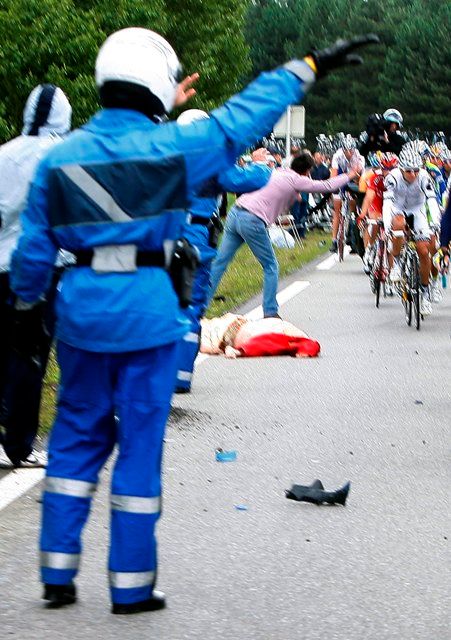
(282, 297)
(16, 483)
(331, 261)
(328, 263)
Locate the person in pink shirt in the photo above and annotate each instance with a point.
(253, 212)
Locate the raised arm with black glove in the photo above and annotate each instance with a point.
(340, 54)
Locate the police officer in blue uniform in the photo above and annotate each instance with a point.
(115, 193)
(202, 231)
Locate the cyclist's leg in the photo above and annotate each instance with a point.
(433, 248)
(425, 261)
(422, 241)
(336, 218)
(436, 288)
(371, 236)
(398, 224)
(373, 218)
(397, 229)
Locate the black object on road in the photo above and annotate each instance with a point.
(316, 494)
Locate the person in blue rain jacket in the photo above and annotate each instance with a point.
(115, 194)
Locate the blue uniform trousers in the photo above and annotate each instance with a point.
(108, 399)
(189, 345)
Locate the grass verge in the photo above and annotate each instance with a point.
(244, 277)
(242, 280)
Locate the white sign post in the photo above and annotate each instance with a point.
(291, 124)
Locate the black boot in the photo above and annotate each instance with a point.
(156, 602)
(58, 595)
(315, 493)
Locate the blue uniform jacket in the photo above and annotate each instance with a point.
(122, 179)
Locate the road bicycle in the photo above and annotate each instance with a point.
(409, 287)
(343, 226)
(379, 259)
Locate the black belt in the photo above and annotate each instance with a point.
(200, 220)
(143, 258)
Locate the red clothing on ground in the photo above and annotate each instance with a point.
(277, 344)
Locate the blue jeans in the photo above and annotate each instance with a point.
(243, 226)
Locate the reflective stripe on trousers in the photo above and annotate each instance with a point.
(69, 487)
(58, 560)
(184, 376)
(131, 580)
(134, 504)
(191, 337)
(83, 437)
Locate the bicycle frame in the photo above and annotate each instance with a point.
(380, 270)
(343, 225)
(409, 286)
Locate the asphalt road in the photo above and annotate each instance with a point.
(373, 409)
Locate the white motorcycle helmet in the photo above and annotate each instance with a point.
(190, 115)
(393, 115)
(142, 57)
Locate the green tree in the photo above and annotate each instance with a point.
(417, 75)
(43, 41)
(412, 55)
(57, 41)
(272, 31)
(208, 34)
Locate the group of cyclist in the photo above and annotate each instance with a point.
(407, 188)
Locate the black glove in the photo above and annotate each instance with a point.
(341, 53)
(28, 331)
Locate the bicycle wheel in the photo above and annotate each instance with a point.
(375, 258)
(407, 300)
(415, 290)
(372, 282)
(405, 291)
(341, 238)
(377, 285)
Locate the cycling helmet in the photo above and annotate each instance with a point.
(374, 160)
(348, 143)
(189, 116)
(423, 148)
(439, 150)
(393, 115)
(388, 161)
(410, 159)
(141, 57)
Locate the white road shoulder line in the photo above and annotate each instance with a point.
(328, 263)
(282, 297)
(331, 261)
(16, 483)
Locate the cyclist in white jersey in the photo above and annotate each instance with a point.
(345, 159)
(408, 190)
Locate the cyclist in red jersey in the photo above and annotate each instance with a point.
(371, 213)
